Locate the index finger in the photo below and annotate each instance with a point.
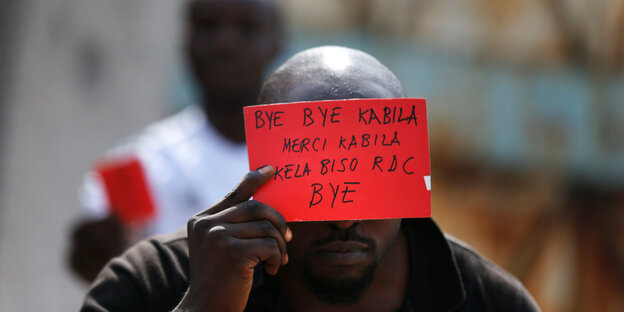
(245, 189)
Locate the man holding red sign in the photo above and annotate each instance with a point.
(243, 254)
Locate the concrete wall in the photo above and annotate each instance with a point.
(87, 73)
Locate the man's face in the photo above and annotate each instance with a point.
(338, 259)
(230, 43)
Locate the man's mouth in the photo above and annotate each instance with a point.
(342, 253)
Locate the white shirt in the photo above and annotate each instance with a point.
(188, 167)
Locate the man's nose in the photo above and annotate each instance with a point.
(226, 38)
(345, 224)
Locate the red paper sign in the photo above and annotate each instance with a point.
(127, 190)
(343, 160)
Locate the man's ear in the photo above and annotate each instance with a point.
(278, 45)
(278, 35)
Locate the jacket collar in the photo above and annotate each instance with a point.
(435, 281)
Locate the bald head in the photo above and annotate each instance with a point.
(330, 73)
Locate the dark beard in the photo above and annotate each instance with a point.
(336, 291)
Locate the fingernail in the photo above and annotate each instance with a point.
(266, 169)
(288, 236)
(286, 259)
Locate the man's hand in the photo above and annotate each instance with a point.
(227, 241)
(93, 243)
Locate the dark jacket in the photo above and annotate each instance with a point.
(446, 275)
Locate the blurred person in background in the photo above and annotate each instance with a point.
(183, 164)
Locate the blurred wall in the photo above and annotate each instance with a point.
(9, 13)
(86, 74)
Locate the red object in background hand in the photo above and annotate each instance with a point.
(127, 190)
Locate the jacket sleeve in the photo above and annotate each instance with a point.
(117, 288)
(527, 303)
(150, 276)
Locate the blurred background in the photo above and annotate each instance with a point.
(525, 102)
